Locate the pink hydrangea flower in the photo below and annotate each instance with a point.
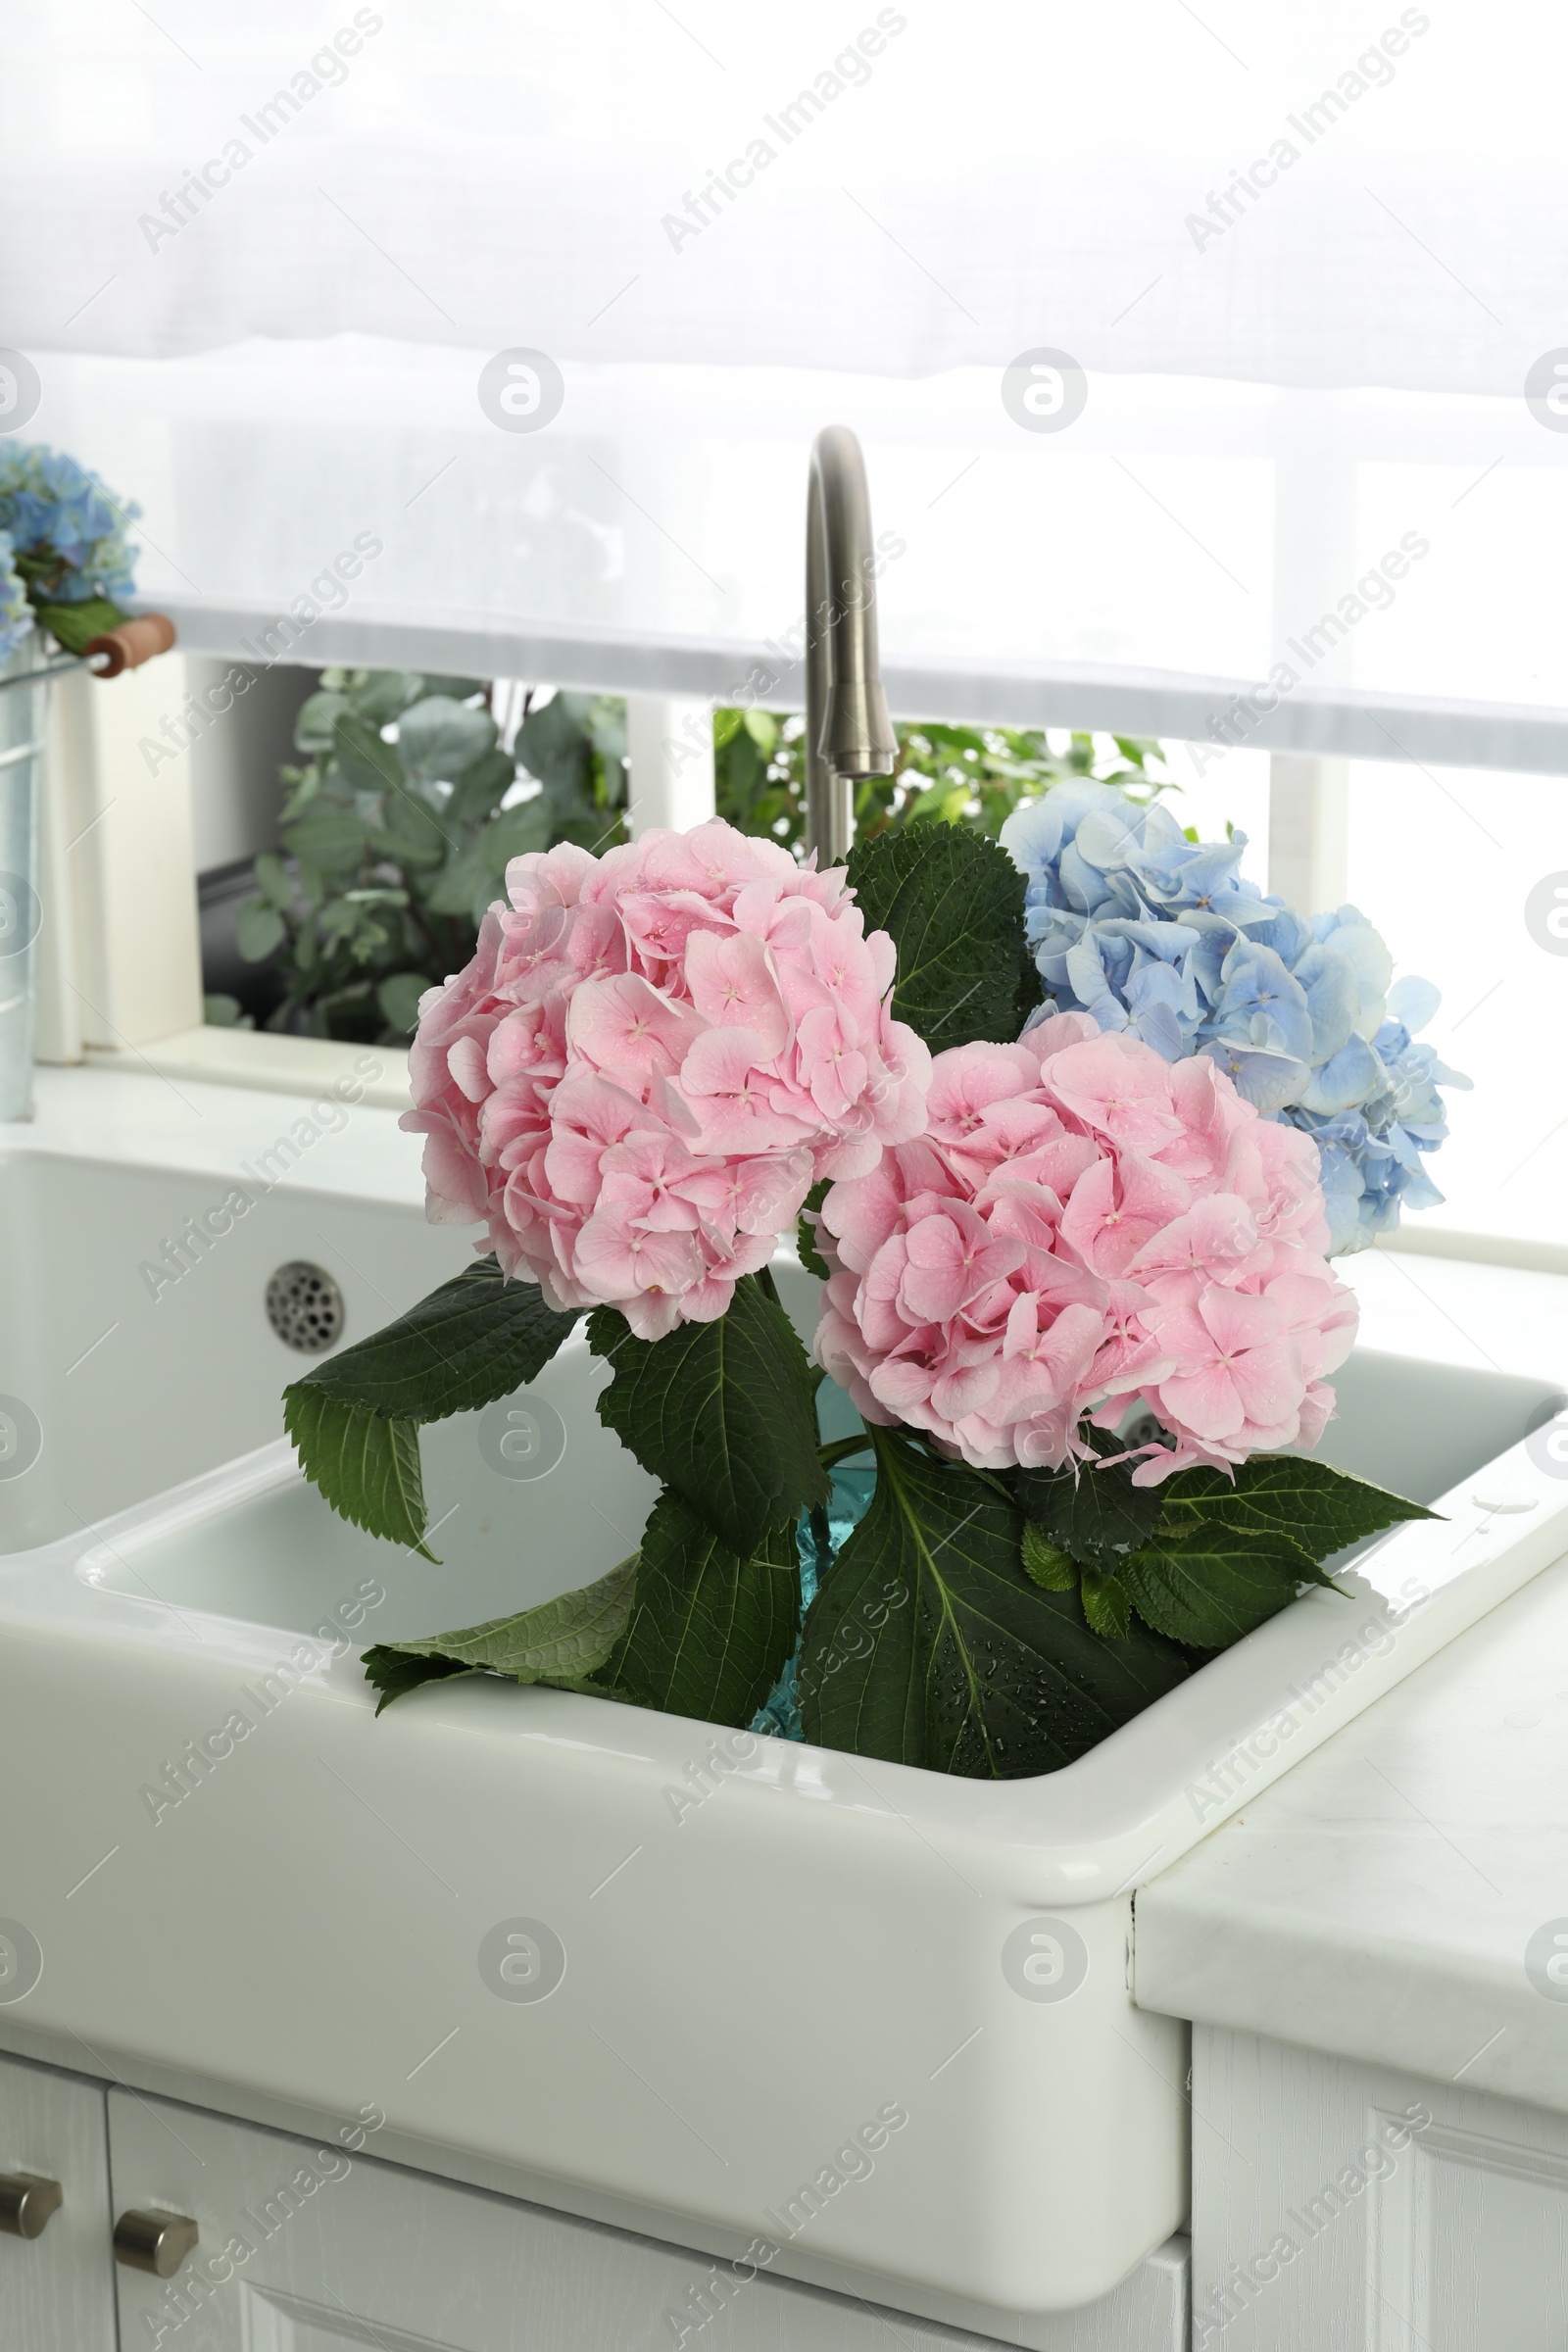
(1084, 1226)
(649, 1060)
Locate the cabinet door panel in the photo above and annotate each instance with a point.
(1342, 2204)
(56, 2292)
(303, 2248)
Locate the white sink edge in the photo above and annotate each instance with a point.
(1094, 1829)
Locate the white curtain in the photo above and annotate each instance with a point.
(1323, 194)
(1307, 254)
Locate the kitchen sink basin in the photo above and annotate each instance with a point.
(135, 1346)
(643, 1968)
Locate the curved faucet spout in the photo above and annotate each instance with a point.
(848, 731)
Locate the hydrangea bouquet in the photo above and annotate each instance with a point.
(64, 552)
(1162, 937)
(1073, 1256)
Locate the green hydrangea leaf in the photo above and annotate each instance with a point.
(1052, 1569)
(805, 1231)
(355, 1420)
(710, 1632)
(722, 1413)
(1096, 1515)
(1105, 1604)
(565, 1641)
(952, 902)
(1208, 1586)
(366, 1464)
(395, 1672)
(927, 1644)
(473, 1340)
(1318, 1507)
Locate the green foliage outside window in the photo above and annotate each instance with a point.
(397, 830)
(972, 776)
(398, 823)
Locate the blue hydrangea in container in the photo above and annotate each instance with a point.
(1166, 939)
(64, 559)
(63, 549)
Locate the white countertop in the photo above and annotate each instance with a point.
(151, 1111)
(1379, 1901)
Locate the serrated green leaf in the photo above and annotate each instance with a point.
(474, 1340)
(709, 1631)
(366, 1464)
(1097, 1515)
(563, 1641)
(394, 1672)
(952, 902)
(257, 929)
(1051, 1568)
(1105, 1604)
(1319, 1507)
(928, 1645)
(722, 1413)
(805, 1231)
(1208, 1586)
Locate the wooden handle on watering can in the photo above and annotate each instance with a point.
(131, 644)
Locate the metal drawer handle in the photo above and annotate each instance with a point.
(27, 2200)
(154, 2241)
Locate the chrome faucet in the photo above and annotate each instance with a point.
(848, 731)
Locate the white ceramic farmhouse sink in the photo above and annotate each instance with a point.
(134, 1343)
(724, 1989)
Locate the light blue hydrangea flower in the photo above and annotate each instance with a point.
(66, 525)
(16, 613)
(1165, 938)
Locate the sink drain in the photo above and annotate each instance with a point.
(304, 1306)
